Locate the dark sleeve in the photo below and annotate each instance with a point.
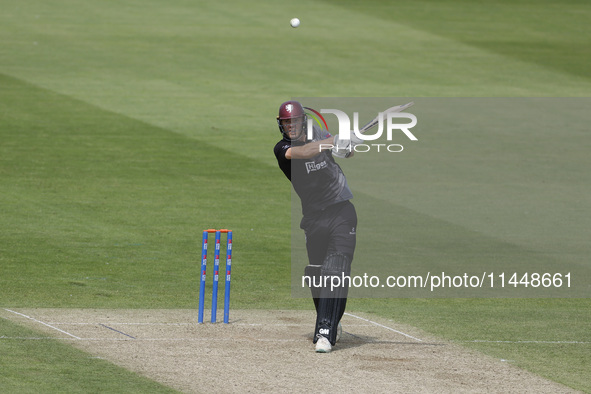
(285, 164)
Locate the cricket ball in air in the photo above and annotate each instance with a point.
(295, 22)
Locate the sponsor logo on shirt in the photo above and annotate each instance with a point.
(313, 166)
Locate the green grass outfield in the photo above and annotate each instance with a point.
(128, 127)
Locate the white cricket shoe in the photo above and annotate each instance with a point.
(339, 331)
(323, 345)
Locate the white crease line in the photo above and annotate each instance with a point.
(121, 324)
(259, 340)
(40, 322)
(193, 324)
(550, 342)
(158, 339)
(292, 324)
(383, 326)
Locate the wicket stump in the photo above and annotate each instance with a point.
(216, 268)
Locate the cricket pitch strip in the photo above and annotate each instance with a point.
(272, 351)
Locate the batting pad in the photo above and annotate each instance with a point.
(333, 296)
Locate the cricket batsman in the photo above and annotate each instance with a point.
(329, 218)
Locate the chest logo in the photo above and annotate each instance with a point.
(313, 166)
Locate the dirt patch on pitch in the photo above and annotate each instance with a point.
(271, 351)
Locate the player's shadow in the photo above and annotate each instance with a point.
(350, 341)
